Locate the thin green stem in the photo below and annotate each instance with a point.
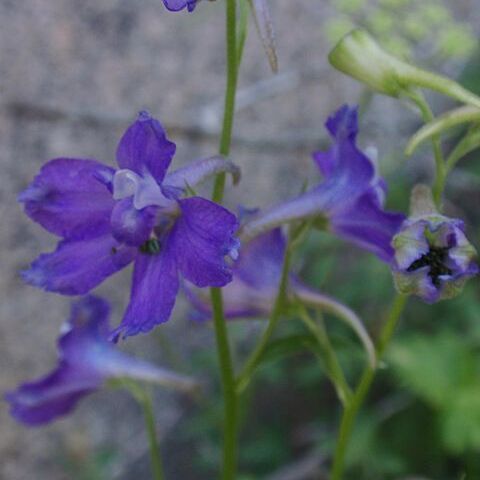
(155, 456)
(227, 375)
(245, 376)
(242, 31)
(233, 58)
(233, 63)
(350, 412)
(440, 170)
(329, 357)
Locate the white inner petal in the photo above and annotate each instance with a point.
(145, 189)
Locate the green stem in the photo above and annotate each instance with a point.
(233, 63)
(251, 364)
(351, 411)
(233, 58)
(333, 367)
(156, 459)
(230, 398)
(440, 170)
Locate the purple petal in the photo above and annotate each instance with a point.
(39, 402)
(367, 225)
(145, 147)
(256, 275)
(71, 198)
(198, 171)
(348, 172)
(201, 238)
(177, 5)
(154, 289)
(260, 260)
(77, 266)
(132, 226)
(86, 359)
(56, 394)
(410, 243)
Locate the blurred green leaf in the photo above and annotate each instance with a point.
(433, 367)
(460, 420)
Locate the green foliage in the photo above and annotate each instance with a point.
(444, 371)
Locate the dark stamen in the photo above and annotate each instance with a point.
(150, 247)
(435, 259)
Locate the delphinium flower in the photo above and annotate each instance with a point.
(177, 5)
(256, 278)
(254, 288)
(433, 258)
(348, 202)
(110, 218)
(86, 361)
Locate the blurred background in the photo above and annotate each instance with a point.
(74, 74)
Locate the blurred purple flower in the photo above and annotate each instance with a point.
(433, 258)
(109, 218)
(349, 202)
(86, 360)
(254, 288)
(256, 278)
(177, 5)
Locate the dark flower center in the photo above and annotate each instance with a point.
(435, 258)
(150, 247)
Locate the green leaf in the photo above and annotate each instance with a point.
(460, 422)
(433, 367)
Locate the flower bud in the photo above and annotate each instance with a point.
(357, 54)
(433, 258)
(360, 56)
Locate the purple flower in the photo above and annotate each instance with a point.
(349, 201)
(256, 278)
(254, 288)
(433, 258)
(86, 360)
(110, 218)
(177, 5)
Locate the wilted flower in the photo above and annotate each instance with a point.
(86, 360)
(177, 5)
(349, 202)
(433, 258)
(109, 218)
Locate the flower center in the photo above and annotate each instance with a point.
(435, 258)
(144, 189)
(151, 246)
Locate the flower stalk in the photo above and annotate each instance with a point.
(155, 456)
(233, 59)
(350, 412)
(440, 170)
(253, 360)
